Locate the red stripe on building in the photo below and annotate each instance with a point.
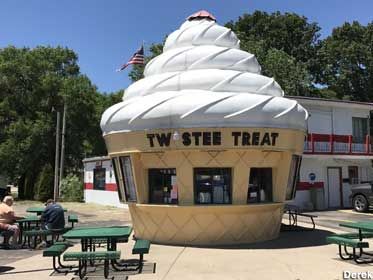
(111, 187)
(303, 186)
(88, 186)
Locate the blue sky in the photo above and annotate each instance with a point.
(106, 33)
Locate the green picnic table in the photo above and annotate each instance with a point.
(365, 230)
(112, 235)
(26, 223)
(360, 226)
(38, 210)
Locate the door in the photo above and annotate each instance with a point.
(335, 187)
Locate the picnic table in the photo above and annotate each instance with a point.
(360, 226)
(38, 210)
(112, 235)
(294, 211)
(354, 241)
(26, 224)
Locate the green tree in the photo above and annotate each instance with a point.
(43, 190)
(72, 188)
(34, 84)
(285, 46)
(288, 32)
(345, 62)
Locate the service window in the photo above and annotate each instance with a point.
(260, 185)
(119, 180)
(162, 186)
(99, 178)
(212, 186)
(129, 182)
(293, 177)
(353, 174)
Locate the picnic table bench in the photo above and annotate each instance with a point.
(72, 218)
(84, 257)
(55, 251)
(294, 211)
(354, 241)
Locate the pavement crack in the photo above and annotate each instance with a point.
(173, 263)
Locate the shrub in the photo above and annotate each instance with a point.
(44, 184)
(71, 188)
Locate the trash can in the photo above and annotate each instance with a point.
(320, 205)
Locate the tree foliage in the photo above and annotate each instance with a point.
(284, 44)
(345, 62)
(34, 84)
(72, 188)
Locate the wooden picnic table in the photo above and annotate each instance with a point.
(39, 210)
(112, 235)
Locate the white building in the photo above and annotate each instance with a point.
(99, 182)
(337, 152)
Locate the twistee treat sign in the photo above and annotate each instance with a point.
(214, 138)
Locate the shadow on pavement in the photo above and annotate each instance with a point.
(21, 271)
(291, 239)
(301, 237)
(5, 268)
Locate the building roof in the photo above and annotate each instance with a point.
(332, 102)
(100, 158)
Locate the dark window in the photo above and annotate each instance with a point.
(129, 183)
(99, 178)
(260, 185)
(359, 129)
(118, 180)
(162, 186)
(353, 174)
(212, 186)
(293, 177)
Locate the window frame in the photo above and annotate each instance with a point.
(229, 171)
(151, 199)
(129, 180)
(100, 168)
(119, 180)
(258, 195)
(353, 168)
(361, 127)
(293, 176)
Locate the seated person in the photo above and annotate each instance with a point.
(7, 219)
(53, 216)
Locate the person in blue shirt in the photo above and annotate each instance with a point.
(53, 216)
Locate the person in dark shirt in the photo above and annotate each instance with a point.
(53, 216)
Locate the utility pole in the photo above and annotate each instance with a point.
(62, 148)
(55, 191)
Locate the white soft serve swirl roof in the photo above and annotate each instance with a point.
(203, 79)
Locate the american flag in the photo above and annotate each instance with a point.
(137, 58)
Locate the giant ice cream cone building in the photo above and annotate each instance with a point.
(205, 148)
